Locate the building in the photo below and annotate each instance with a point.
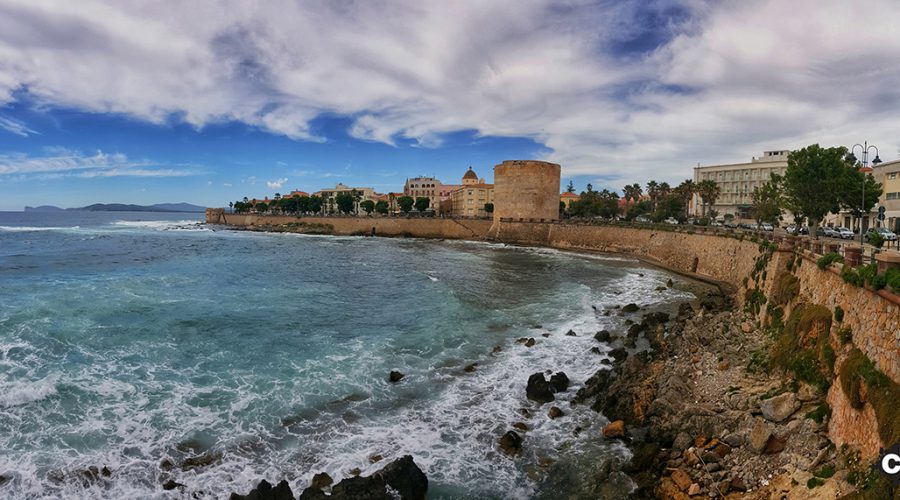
(527, 190)
(888, 174)
(736, 182)
(328, 196)
(568, 198)
(424, 187)
(470, 198)
(445, 201)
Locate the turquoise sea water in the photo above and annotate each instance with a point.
(127, 339)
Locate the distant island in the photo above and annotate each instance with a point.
(121, 207)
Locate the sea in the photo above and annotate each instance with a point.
(138, 342)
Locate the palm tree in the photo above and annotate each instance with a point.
(709, 191)
(653, 192)
(231, 206)
(686, 191)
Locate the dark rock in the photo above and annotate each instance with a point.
(685, 310)
(521, 426)
(496, 349)
(571, 333)
(630, 342)
(166, 464)
(775, 445)
(395, 376)
(559, 382)
(538, 389)
(619, 354)
(360, 488)
(545, 335)
(528, 342)
(171, 485)
(470, 367)
(596, 384)
(199, 461)
(630, 308)
(375, 459)
(661, 289)
(265, 491)
(555, 412)
(779, 408)
(670, 283)
(321, 480)
(635, 330)
(614, 430)
(511, 443)
(313, 494)
(596, 350)
(105, 472)
(603, 336)
(405, 477)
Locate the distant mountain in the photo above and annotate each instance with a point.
(122, 207)
(179, 207)
(160, 207)
(44, 208)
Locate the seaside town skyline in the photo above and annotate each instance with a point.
(97, 103)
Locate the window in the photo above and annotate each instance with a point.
(893, 196)
(892, 175)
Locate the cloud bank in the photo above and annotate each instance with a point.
(621, 90)
(60, 162)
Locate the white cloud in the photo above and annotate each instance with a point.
(227, 184)
(276, 184)
(70, 163)
(729, 80)
(15, 126)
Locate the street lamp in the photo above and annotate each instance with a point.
(865, 147)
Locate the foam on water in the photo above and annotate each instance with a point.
(30, 229)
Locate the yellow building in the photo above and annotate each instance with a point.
(469, 199)
(569, 198)
(329, 195)
(888, 174)
(737, 180)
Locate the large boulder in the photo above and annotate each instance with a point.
(265, 491)
(614, 430)
(511, 443)
(559, 382)
(402, 476)
(405, 477)
(779, 408)
(759, 436)
(630, 308)
(538, 389)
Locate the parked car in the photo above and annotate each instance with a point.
(792, 229)
(671, 220)
(730, 223)
(827, 231)
(885, 233)
(640, 219)
(765, 226)
(844, 233)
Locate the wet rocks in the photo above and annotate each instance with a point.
(559, 382)
(779, 408)
(200, 461)
(630, 308)
(571, 333)
(619, 354)
(511, 443)
(603, 336)
(614, 430)
(470, 367)
(527, 342)
(321, 480)
(265, 491)
(555, 412)
(538, 389)
(171, 485)
(395, 376)
(402, 476)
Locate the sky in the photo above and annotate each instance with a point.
(127, 101)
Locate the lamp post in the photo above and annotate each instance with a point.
(865, 147)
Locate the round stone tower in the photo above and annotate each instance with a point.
(526, 189)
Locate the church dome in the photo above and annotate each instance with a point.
(470, 175)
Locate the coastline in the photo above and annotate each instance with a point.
(696, 416)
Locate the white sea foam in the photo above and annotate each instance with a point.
(17, 393)
(163, 225)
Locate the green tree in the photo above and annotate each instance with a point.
(671, 205)
(489, 207)
(405, 203)
(653, 192)
(814, 182)
(709, 192)
(368, 206)
(345, 202)
(314, 204)
(639, 208)
(768, 201)
(603, 203)
(381, 207)
(571, 187)
(357, 196)
(261, 207)
(685, 191)
(852, 196)
(422, 203)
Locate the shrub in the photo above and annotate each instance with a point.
(753, 300)
(838, 314)
(845, 335)
(819, 415)
(892, 279)
(828, 259)
(880, 391)
(801, 347)
(876, 240)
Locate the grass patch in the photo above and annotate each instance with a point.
(838, 314)
(845, 335)
(863, 383)
(800, 347)
(819, 415)
(759, 362)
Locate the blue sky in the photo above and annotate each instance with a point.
(104, 101)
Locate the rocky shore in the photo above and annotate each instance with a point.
(704, 416)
